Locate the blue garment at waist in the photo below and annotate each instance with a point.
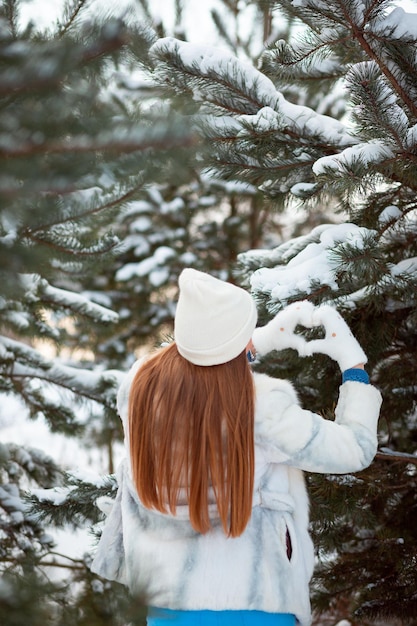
(166, 617)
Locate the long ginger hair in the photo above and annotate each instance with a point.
(192, 436)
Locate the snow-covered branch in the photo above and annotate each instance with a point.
(304, 263)
(40, 289)
(23, 362)
(216, 76)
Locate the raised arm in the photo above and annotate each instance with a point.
(310, 442)
(302, 438)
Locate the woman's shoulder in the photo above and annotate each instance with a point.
(274, 396)
(266, 385)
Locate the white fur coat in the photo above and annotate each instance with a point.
(167, 564)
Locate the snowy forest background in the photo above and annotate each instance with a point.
(273, 144)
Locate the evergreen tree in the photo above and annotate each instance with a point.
(181, 218)
(325, 122)
(71, 155)
(360, 160)
(101, 205)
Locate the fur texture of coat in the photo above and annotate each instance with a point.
(167, 564)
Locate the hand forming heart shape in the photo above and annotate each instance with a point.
(338, 342)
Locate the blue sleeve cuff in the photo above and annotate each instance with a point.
(356, 374)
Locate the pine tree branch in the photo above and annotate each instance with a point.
(64, 556)
(387, 455)
(79, 216)
(76, 568)
(375, 106)
(368, 12)
(77, 252)
(395, 178)
(404, 211)
(40, 407)
(70, 301)
(71, 19)
(68, 566)
(236, 94)
(98, 397)
(12, 15)
(324, 148)
(359, 34)
(312, 51)
(85, 383)
(222, 163)
(75, 565)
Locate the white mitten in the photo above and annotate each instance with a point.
(338, 343)
(279, 334)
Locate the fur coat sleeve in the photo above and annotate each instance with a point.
(303, 439)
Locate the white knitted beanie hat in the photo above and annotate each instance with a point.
(214, 320)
